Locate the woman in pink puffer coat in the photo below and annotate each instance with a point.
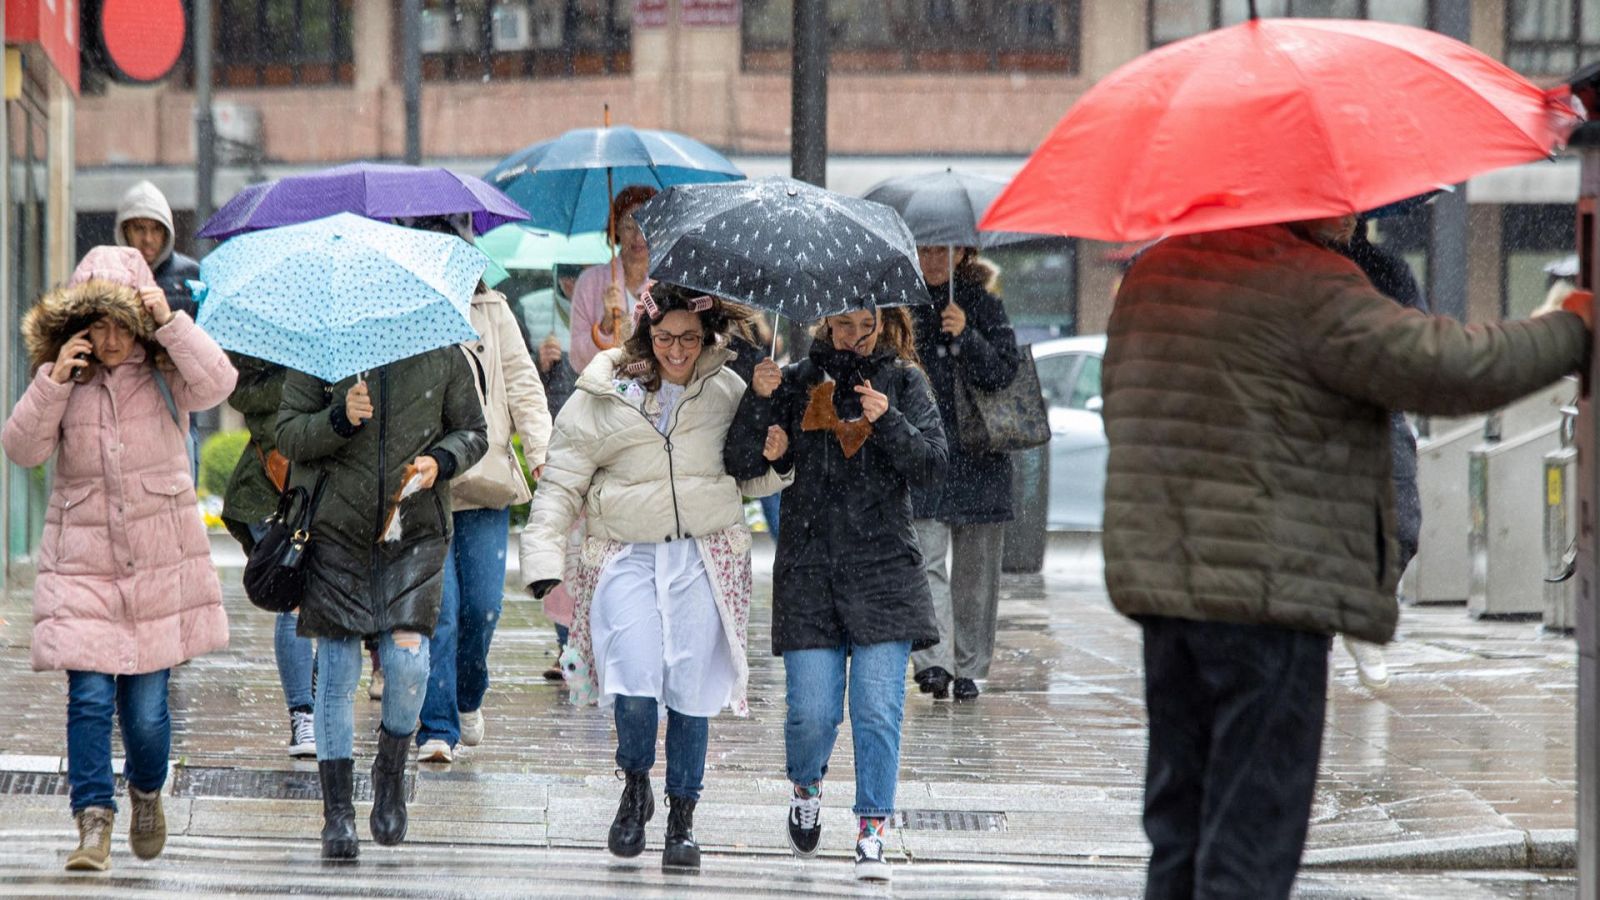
(125, 589)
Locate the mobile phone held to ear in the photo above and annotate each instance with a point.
(84, 374)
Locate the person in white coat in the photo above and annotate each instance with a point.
(662, 589)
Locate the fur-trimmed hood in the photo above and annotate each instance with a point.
(63, 312)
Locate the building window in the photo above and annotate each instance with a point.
(923, 35)
(1172, 20)
(278, 43)
(1551, 37)
(1533, 236)
(483, 39)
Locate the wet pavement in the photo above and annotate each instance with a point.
(1464, 763)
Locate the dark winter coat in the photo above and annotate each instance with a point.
(1248, 379)
(250, 495)
(426, 404)
(1391, 275)
(848, 566)
(173, 276)
(977, 486)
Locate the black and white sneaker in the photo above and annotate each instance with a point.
(302, 734)
(870, 864)
(805, 821)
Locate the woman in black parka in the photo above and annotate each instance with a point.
(964, 337)
(850, 601)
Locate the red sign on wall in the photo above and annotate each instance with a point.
(53, 25)
(650, 13)
(143, 37)
(711, 13)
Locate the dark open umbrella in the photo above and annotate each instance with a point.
(375, 190)
(943, 208)
(784, 246)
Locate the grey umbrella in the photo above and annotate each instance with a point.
(944, 207)
(783, 246)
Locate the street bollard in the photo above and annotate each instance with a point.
(1560, 529)
(1505, 546)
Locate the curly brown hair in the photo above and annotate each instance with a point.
(896, 331)
(623, 203)
(716, 323)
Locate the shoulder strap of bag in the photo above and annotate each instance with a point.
(166, 394)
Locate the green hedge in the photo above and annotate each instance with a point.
(218, 455)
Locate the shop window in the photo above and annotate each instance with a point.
(483, 39)
(1533, 237)
(1039, 283)
(923, 35)
(281, 43)
(1172, 20)
(1551, 37)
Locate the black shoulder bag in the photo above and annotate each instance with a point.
(274, 576)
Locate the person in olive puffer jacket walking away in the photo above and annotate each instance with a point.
(662, 589)
(1250, 513)
(849, 598)
(416, 422)
(480, 499)
(125, 588)
(250, 497)
(964, 337)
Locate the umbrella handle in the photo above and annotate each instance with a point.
(776, 321)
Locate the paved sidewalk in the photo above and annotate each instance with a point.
(1466, 761)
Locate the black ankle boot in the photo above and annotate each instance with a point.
(638, 806)
(388, 820)
(339, 839)
(681, 851)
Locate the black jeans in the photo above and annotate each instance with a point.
(1235, 735)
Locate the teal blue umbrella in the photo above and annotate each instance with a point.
(340, 295)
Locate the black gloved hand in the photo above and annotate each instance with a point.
(540, 588)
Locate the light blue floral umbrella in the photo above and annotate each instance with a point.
(340, 295)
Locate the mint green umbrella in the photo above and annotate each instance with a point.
(520, 247)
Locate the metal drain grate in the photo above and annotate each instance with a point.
(36, 783)
(949, 820)
(258, 784)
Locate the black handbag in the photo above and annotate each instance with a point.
(1012, 418)
(274, 576)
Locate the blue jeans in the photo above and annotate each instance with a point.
(140, 705)
(469, 609)
(405, 674)
(815, 682)
(637, 718)
(292, 651)
(769, 511)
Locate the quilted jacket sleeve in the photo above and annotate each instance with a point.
(305, 429)
(556, 504)
(204, 378)
(34, 427)
(530, 413)
(1364, 345)
(912, 432)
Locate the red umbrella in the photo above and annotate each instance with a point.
(1277, 120)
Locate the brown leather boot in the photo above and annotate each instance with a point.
(147, 834)
(94, 840)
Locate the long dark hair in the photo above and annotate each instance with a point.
(716, 322)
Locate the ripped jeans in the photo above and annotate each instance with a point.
(404, 655)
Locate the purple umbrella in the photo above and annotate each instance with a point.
(374, 190)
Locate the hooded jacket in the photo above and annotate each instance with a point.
(172, 269)
(635, 484)
(848, 568)
(125, 581)
(356, 584)
(1248, 378)
(513, 400)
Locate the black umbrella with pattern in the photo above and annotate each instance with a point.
(783, 246)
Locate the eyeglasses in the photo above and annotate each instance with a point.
(688, 341)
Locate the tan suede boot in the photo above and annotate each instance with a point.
(147, 834)
(94, 840)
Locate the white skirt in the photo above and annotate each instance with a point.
(656, 631)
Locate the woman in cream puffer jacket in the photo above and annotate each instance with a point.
(662, 589)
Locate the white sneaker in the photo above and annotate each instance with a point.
(375, 686)
(302, 734)
(1370, 667)
(435, 751)
(870, 864)
(472, 727)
